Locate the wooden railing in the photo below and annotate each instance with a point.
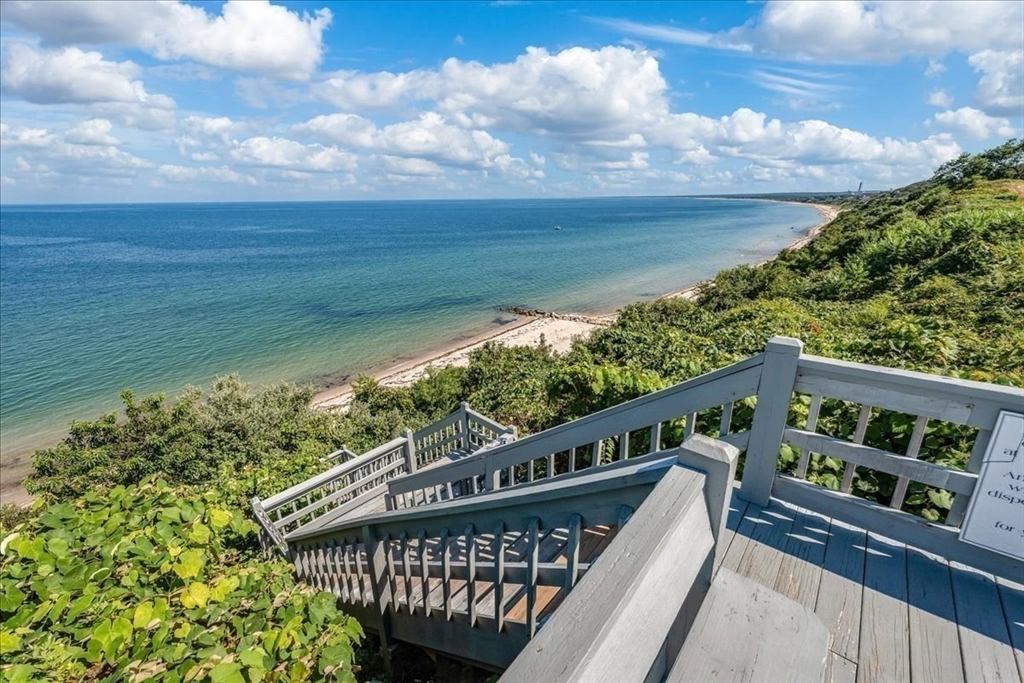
(354, 482)
(925, 400)
(610, 435)
(500, 562)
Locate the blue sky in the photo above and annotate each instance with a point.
(171, 101)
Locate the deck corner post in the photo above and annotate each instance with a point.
(717, 460)
(464, 409)
(410, 452)
(774, 393)
(380, 587)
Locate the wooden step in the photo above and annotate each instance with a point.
(746, 632)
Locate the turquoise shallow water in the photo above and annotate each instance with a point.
(94, 299)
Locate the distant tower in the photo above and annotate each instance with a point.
(859, 188)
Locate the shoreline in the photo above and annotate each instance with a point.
(558, 332)
(406, 373)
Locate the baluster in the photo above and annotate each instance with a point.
(424, 574)
(512, 475)
(596, 461)
(551, 464)
(389, 563)
(858, 438)
(531, 578)
(359, 573)
(572, 552)
(812, 424)
(498, 550)
(624, 446)
(471, 573)
(916, 439)
(446, 574)
(449, 491)
(691, 424)
(334, 570)
(655, 438)
(725, 426)
(572, 459)
(403, 540)
(348, 595)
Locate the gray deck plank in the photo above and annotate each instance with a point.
(737, 508)
(840, 588)
(934, 642)
(1012, 595)
(839, 669)
(885, 627)
(985, 639)
(800, 573)
(762, 558)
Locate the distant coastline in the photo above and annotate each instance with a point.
(528, 331)
(399, 371)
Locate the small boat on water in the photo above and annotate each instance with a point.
(558, 227)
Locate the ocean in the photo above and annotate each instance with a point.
(97, 298)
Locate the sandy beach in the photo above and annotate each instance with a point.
(558, 333)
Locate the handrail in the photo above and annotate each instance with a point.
(924, 398)
(497, 467)
(344, 486)
(525, 544)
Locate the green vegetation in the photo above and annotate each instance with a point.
(113, 575)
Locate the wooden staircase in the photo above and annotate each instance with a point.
(587, 552)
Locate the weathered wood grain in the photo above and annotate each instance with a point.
(885, 625)
(841, 588)
(934, 643)
(984, 636)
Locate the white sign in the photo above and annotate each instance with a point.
(995, 516)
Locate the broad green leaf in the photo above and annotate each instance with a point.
(189, 564)
(220, 518)
(941, 498)
(254, 658)
(195, 595)
(199, 533)
(143, 615)
(227, 672)
(19, 673)
(222, 588)
(9, 642)
(57, 547)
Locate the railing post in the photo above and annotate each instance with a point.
(410, 452)
(717, 460)
(380, 588)
(466, 445)
(774, 392)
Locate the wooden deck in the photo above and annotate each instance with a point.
(894, 613)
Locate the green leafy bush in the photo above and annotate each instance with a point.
(155, 583)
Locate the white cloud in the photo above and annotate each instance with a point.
(289, 154)
(935, 69)
(71, 75)
(430, 137)
(974, 123)
(7, 181)
(854, 31)
(92, 132)
(25, 137)
(1001, 88)
(221, 174)
(411, 167)
(940, 98)
(249, 35)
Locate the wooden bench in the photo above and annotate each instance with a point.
(746, 632)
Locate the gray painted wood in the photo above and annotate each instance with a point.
(987, 650)
(913, 448)
(773, 396)
(746, 632)
(717, 460)
(884, 461)
(841, 589)
(885, 623)
(800, 570)
(858, 438)
(839, 669)
(1012, 596)
(934, 643)
(812, 423)
(637, 588)
(762, 558)
(915, 531)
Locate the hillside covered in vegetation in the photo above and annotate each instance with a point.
(139, 561)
